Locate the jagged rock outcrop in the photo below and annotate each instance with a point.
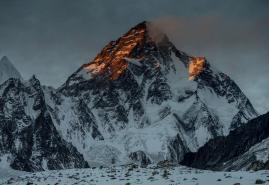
(140, 157)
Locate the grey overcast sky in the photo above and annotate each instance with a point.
(52, 38)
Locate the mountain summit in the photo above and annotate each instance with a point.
(112, 60)
(7, 70)
(141, 99)
(116, 56)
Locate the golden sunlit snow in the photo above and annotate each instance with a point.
(196, 66)
(112, 58)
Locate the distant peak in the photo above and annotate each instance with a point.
(33, 77)
(33, 80)
(4, 59)
(7, 70)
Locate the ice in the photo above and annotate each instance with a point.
(134, 61)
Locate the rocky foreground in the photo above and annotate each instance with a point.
(136, 175)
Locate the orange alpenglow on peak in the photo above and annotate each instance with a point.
(111, 60)
(196, 66)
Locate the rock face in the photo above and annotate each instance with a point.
(256, 158)
(29, 140)
(143, 94)
(140, 157)
(246, 147)
(7, 70)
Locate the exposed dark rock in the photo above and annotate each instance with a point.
(220, 152)
(140, 157)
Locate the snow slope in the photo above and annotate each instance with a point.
(6, 171)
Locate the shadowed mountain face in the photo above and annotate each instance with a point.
(241, 149)
(140, 100)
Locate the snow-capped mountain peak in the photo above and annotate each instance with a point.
(142, 99)
(7, 70)
(143, 40)
(116, 56)
(139, 100)
(111, 60)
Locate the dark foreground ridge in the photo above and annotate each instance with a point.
(221, 152)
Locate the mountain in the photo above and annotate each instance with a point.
(29, 140)
(139, 100)
(244, 148)
(142, 100)
(7, 70)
